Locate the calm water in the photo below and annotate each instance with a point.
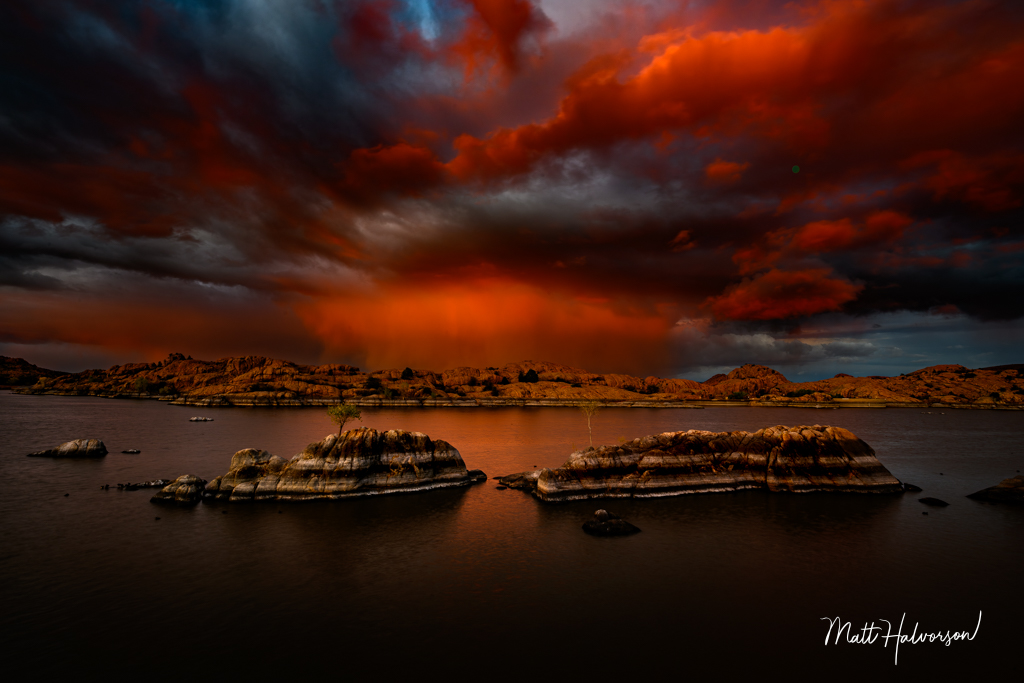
(478, 582)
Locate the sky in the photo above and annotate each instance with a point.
(658, 188)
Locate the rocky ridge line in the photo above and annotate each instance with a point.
(259, 381)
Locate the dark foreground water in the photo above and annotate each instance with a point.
(480, 583)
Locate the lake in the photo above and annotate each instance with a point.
(479, 582)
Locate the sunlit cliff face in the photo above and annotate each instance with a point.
(655, 187)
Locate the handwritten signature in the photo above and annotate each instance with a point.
(869, 635)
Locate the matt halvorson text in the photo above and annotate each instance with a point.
(869, 635)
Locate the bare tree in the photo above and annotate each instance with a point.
(342, 413)
(590, 408)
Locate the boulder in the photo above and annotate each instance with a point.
(79, 448)
(1007, 491)
(185, 490)
(605, 523)
(779, 459)
(357, 463)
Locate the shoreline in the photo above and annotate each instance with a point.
(227, 401)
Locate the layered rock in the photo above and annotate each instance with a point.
(185, 490)
(1007, 491)
(359, 462)
(79, 448)
(779, 459)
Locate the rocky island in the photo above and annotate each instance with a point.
(778, 459)
(79, 448)
(259, 381)
(357, 463)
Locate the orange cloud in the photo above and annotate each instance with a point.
(486, 322)
(779, 294)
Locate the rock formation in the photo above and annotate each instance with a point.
(257, 381)
(79, 448)
(185, 490)
(605, 523)
(1007, 491)
(359, 462)
(782, 459)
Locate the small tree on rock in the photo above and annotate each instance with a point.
(340, 414)
(590, 408)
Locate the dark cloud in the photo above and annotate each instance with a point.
(636, 166)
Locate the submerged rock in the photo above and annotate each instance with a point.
(79, 448)
(780, 459)
(359, 462)
(934, 502)
(152, 484)
(1007, 491)
(605, 523)
(185, 490)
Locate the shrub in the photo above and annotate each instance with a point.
(373, 382)
(141, 385)
(530, 377)
(738, 396)
(407, 373)
(799, 392)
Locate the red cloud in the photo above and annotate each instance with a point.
(783, 294)
(725, 171)
(402, 169)
(834, 235)
(782, 85)
(497, 29)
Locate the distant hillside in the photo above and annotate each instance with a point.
(17, 372)
(255, 380)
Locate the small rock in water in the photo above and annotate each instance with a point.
(911, 487)
(66, 495)
(501, 488)
(157, 518)
(924, 513)
(934, 502)
(608, 524)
